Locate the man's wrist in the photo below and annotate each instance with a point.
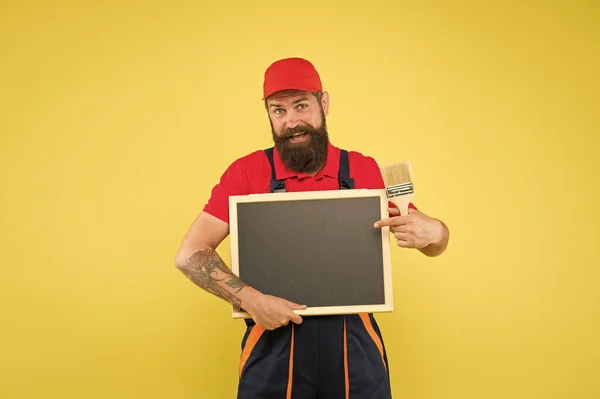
(248, 296)
(440, 237)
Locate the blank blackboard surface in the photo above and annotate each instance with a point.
(314, 248)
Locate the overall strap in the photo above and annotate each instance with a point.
(346, 183)
(276, 186)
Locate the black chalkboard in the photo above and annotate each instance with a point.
(319, 249)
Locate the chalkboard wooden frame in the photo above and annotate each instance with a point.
(386, 306)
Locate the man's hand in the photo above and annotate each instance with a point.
(271, 312)
(415, 230)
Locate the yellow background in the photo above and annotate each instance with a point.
(117, 120)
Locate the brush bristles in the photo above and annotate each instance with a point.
(398, 179)
(395, 174)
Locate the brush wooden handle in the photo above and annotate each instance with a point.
(402, 202)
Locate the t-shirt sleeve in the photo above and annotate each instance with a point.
(233, 182)
(369, 177)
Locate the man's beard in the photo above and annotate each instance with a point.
(308, 156)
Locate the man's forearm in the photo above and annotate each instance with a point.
(208, 271)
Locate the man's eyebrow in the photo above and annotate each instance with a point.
(295, 102)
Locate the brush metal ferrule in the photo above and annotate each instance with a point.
(400, 189)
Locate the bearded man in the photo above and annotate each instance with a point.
(283, 354)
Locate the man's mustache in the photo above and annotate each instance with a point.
(287, 132)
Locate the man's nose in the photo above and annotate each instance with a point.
(292, 123)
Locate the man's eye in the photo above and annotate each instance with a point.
(302, 106)
(279, 111)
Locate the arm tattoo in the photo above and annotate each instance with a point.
(208, 271)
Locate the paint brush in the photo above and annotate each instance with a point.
(398, 184)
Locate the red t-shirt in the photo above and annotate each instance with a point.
(252, 175)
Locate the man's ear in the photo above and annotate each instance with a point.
(325, 103)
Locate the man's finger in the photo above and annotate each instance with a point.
(403, 244)
(396, 221)
(394, 211)
(401, 229)
(401, 236)
(383, 223)
(295, 318)
(295, 306)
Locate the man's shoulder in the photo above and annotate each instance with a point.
(352, 154)
(252, 159)
(361, 158)
(256, 155)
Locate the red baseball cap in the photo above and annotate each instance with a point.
(291, 73)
